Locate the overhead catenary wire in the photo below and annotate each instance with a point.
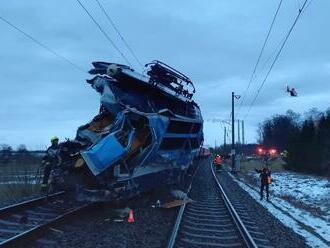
(105, 12)
(277, 56)
(42, 44)
(259, 57)
(104, 32)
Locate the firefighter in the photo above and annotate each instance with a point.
(265, 177)
(217, 161)
(51, 161)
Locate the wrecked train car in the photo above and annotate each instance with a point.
(146, 134)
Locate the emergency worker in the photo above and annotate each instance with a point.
(51, 161)
(265, 178)
(217, 161)
(285, 154)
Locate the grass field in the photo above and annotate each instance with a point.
(19, 180)
(14, 167)
(275, 165)
(12, 192)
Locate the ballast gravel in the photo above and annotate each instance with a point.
(152, 226)
(278, 234)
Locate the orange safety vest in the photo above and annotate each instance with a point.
(269, 179)
(217, 160)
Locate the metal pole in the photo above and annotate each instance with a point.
(232, 132)
(243, 138)
(224, 139)
(238, 133)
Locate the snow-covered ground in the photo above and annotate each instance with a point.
(287, 190)
(310, 190)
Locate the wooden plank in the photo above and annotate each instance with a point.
(175, 203)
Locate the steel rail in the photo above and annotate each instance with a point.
(179, 218)
(247, 238)
(29, 203)
(38, 229)
(176, 227)
(239, 223)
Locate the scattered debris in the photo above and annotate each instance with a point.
(121, 212)
(56, 230)
(118, 220)
(176, 203)
(179, 194)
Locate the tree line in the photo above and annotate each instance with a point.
(305, 137)
(20, 155)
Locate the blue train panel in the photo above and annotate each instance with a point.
(146, 134)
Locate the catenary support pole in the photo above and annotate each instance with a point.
(232, 132)
(224, 139)
(238, 133)
(243, 137)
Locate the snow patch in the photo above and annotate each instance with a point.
(293, 216)
(311, 190)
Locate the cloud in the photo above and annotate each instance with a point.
(215, 43)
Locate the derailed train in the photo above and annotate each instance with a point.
(147, 132)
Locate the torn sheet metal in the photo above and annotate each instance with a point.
(98, 156)
(146, 134)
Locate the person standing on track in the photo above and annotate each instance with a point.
(217, 162)
(51, 161)
(265, 177)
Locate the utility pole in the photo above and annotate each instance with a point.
(243, 138)
(232, 132)
(233, 97)
(224, 139)
(238, 133)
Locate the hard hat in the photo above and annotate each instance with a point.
(53, 139)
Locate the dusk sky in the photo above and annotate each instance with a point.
(216, 43)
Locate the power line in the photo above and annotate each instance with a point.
(103, 32)
(118, 32)
(277, 56)
(42, 45)
(259, 57)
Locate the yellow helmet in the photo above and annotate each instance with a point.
(53, 139)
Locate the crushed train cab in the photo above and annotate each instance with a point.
(146, 134)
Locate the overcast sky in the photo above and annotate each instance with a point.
(216, 43)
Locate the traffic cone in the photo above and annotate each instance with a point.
(130, 217)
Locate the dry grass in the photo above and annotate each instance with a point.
(18, 167)
(275, 165)
(17, 181)
(314, 210)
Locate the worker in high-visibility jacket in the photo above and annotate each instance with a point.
(217, 161)
(51, 162)
(265, 180)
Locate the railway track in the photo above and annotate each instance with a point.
(25, 221)
(211, 220)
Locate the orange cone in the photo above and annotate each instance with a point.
(130, 217)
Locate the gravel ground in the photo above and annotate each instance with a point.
(18, 200)
(152, 226)
(275, 231)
